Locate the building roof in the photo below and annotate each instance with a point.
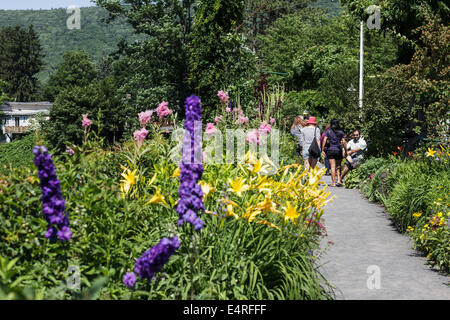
(25, 108)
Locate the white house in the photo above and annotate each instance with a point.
(15, 117)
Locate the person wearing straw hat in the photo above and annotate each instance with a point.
(307, 136)
(305, 114)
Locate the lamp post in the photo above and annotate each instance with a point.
(361, 67)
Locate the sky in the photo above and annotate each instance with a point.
(42, 4)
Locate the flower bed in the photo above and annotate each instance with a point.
(133, 234)
(415, 193)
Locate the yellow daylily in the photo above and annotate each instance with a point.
(430, 152)
(267, 205)
(410, 229)
(250, 214)
(417, 214)
(267, 223)
(130, 176)
(128, 181)
(290, 213)
(157, 198)
(257, 166)
(206, 188)
(238, 186)
(230, 212)
(227, 201)
(176, 173)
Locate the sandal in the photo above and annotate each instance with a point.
(339, 185)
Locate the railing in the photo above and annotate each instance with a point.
(15, 129)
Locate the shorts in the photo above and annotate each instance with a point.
(333, 154)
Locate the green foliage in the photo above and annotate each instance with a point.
(3, 96)
(259, 15)
(352, 179)
(233, 259)
(217, 56)
(20, 61)
(297, 102)
(102, 104)
(95, 36)
(76, 70)
(153, 69)
(400, 18)
(415, 194)
(333, 8)
(17, 153)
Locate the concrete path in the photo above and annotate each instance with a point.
(365, 242)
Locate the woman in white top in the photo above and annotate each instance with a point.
(307, 136)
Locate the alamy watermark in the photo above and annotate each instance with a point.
(374, 280)
(374, 20)
(73, 280)
(73, 21)
(209, 147)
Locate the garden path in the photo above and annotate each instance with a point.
(364, 236)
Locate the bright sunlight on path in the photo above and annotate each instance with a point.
(364, 236)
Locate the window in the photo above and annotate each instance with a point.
(17, 121)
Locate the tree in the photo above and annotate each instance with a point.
(261, 14)
(76, 69)
(99, 98)
(400, 18)
(20, 61)
(427, 75)
(3, 96)
(217, 56)
(155, 68)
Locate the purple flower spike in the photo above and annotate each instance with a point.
(154, 259)
(191, 168)
(53, 204)
(129, 279)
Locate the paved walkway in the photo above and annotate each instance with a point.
(364, 236)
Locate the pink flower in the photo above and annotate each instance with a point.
(228, 109)
(217, 119)
(85, 122)
(265, 128)
(223, 96)
(253, 137)
(140, 135)
(272, 120)
(70, 151)
(243, 120)
(238, 111)
(145, 117)
(163, 110)
(210, 129)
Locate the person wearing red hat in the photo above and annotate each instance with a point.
(307, 136)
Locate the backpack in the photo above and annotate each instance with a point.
(314, 149)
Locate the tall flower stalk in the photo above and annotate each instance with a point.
(191, 170)
(53, 203)
(190, 192)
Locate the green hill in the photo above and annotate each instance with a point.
(334, 8)
(95, 35)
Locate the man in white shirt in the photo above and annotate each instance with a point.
(355, 148)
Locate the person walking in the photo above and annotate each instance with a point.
(326, 160)
(307, 136)
(296, 130)
(336, 150)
